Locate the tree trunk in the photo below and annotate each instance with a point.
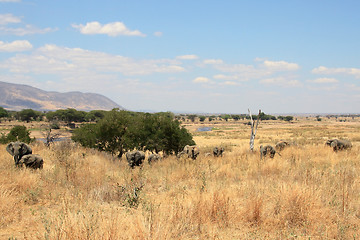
(253, 129)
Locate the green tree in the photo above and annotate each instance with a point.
(192, 117)
(202, 118)
(3, 113)
(28, 115)
(120, 131)
(19, 133)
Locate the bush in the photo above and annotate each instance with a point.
(18, 133)
(120, 131)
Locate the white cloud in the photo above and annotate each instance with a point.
(187, 57)
(15, 46)
(111, 29)
(213, 61)
(201, 80)
(230, 83)
(281, 65)
(158, 34)
(8, 18)
(225, 77)
(324, 80)
(10, 0)
(281, 81)
(331, 71)
(51, 59)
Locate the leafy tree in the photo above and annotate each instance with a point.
(236, 117)
(95, 115)
(19, 133)
(3, 113)
(28, 115)
(120, 131)
(202, 118)
(286, 118)
(226, 117)
(67, 115)
(192, 117)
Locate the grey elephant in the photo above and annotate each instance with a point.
(31, 161)
(154, 157)
(218, 151)
(338, 144)
(281, 145)
(267, 150)
(135, 158)
(191, 151)
(23, 155)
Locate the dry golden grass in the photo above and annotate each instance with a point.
(309, 192)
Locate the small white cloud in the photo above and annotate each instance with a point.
(281, 65)
(230, 83)
(8, 18)
(226, 77)
(187, 57)
(111, 29)
(324, 80)
(330, 71)
(282, 82)
(213, 61)
(15, 46)
(158, 34)
(201, 80)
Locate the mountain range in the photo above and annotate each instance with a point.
(17, 97)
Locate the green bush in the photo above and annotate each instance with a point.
(17, 133)
(120, 131)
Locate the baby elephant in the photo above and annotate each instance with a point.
(135, 158)
(31, 161)
(153, 158)
(218, 151)
(267, 150)
(281, 145)
(337, 144)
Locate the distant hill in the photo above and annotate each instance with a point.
(17, 97)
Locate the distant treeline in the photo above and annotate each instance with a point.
(72, 115)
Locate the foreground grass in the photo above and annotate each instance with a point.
(307, 192)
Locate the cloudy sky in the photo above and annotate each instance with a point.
(298, 56)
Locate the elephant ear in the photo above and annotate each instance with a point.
(25, 149)
(10, 148)
(333, 144)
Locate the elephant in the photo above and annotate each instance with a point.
(31, 161)
(267, 150)
(135, 158)
(218, 151)
(18, 150)
(153, 158)
(191, 151)
(281, 145)
(338, 144)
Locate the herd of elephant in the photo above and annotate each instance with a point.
(22, 153)
(136, 157)
(268, 150)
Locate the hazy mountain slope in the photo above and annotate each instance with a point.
(18, 97)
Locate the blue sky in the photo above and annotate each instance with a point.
(296, 56)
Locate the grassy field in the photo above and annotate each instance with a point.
(309, 192)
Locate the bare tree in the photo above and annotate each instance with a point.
(254, 127)
(49, 136)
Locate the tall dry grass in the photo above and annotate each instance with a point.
(309, 192)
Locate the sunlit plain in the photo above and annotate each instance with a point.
(309, 192)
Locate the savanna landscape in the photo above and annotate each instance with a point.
(307, 192)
